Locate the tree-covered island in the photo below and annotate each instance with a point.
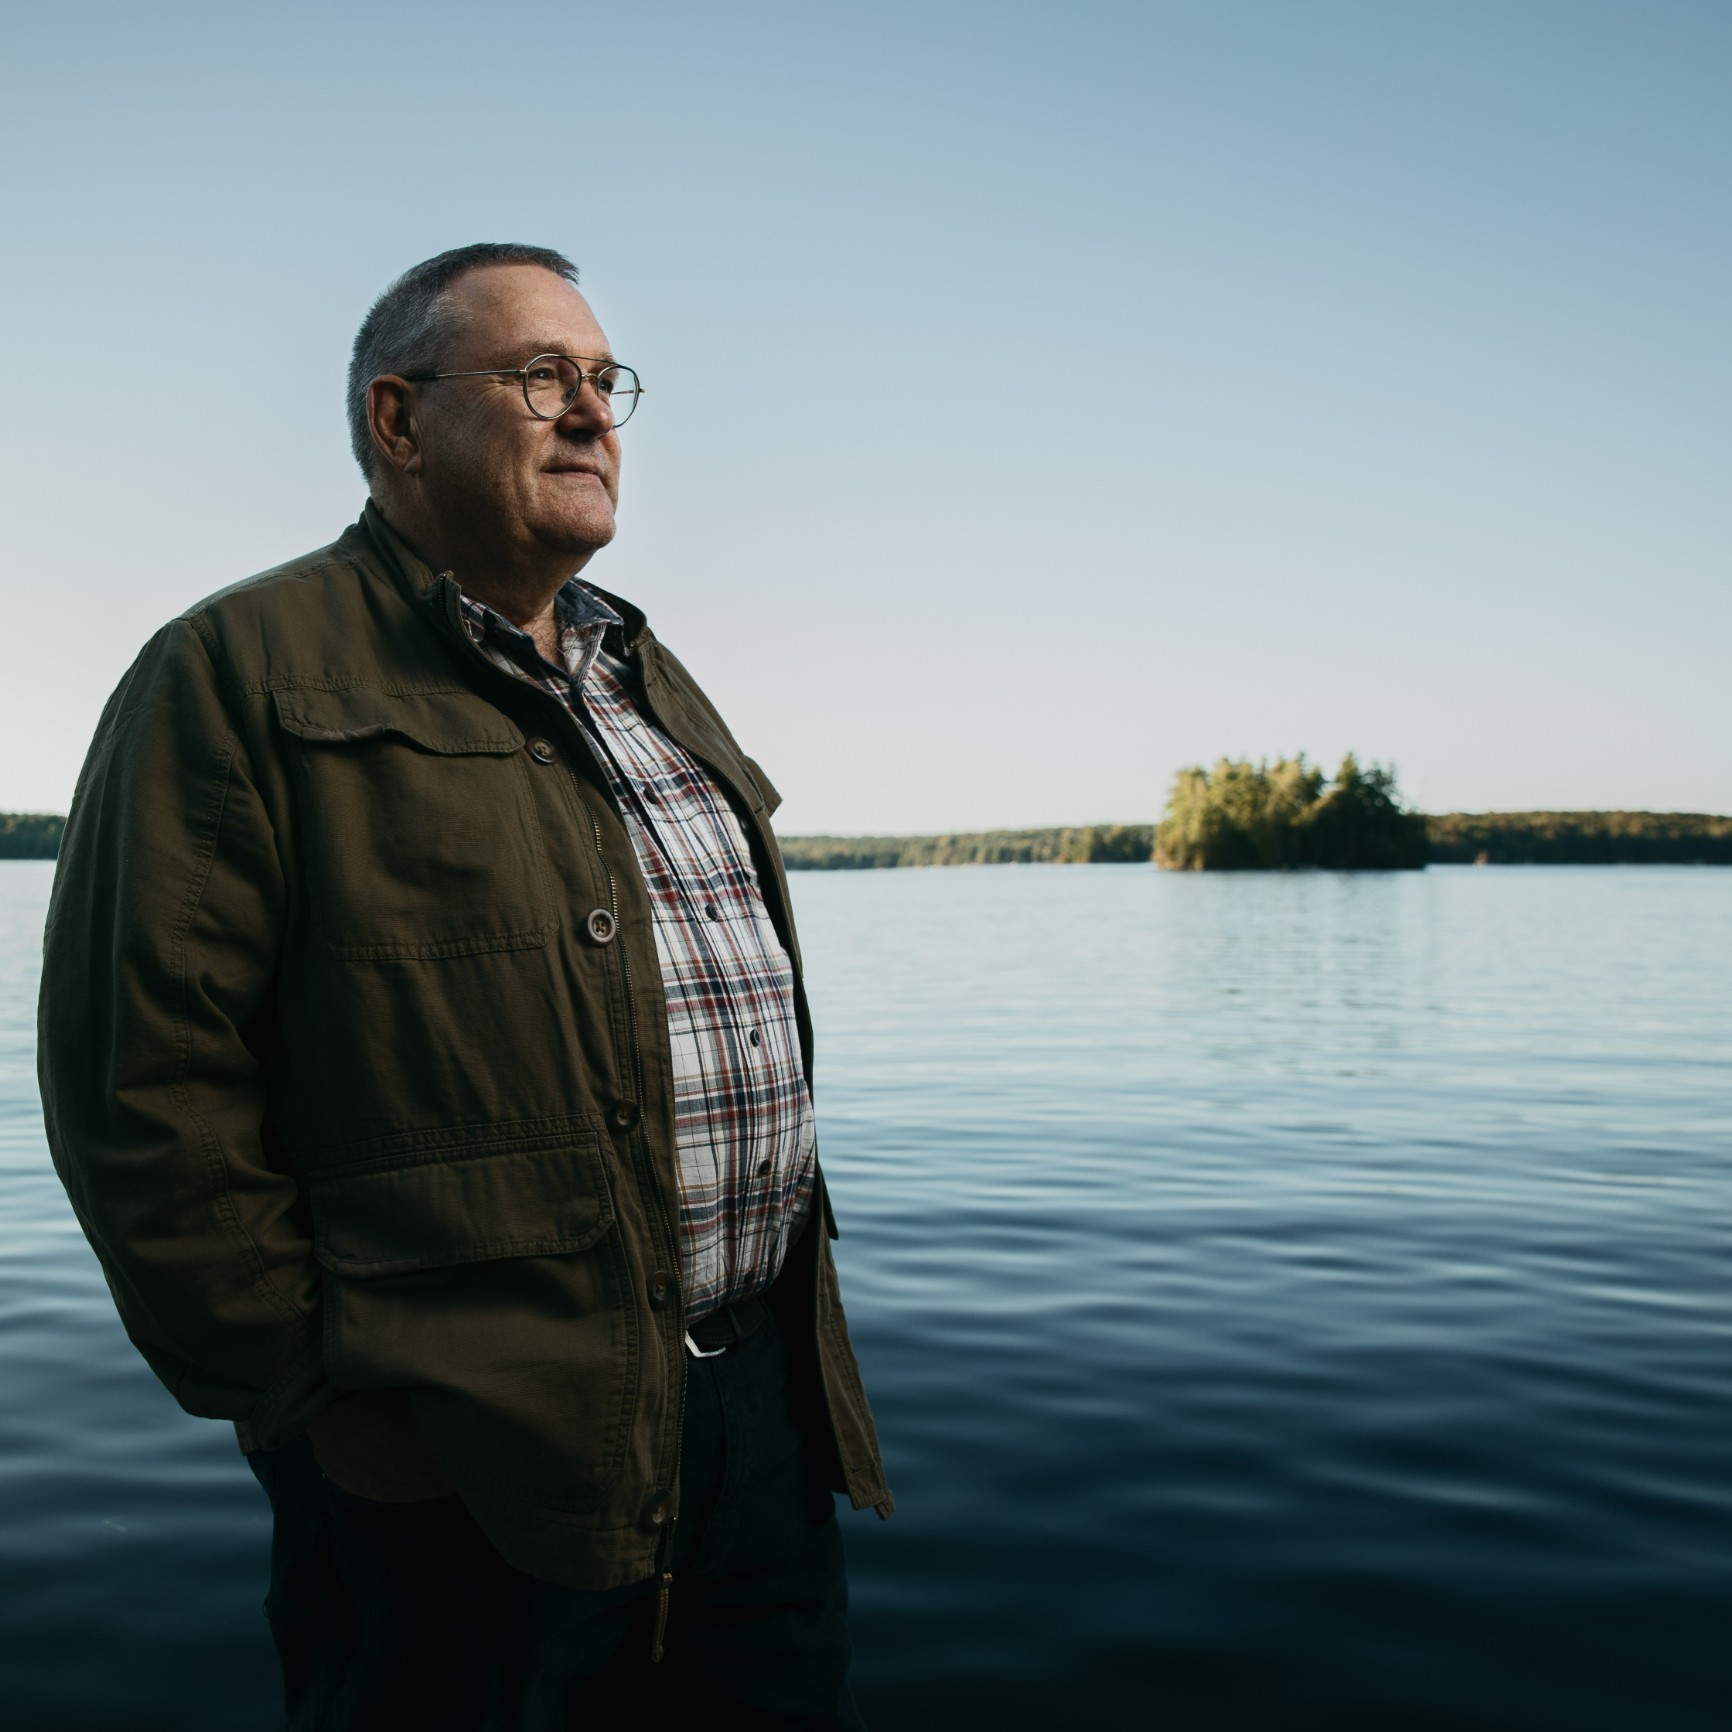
(1244, 817)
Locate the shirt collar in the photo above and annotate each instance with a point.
(576, 604)
(584, 618)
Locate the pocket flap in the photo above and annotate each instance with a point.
(526, 1203)
(453, 723)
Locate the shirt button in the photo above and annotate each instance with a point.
(711, 911)
(542, 751)
(752, 1036)
(624, 1115)
(661, 1290)
(601, 926)
(764, 1167)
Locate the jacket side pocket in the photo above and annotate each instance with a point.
(495, 1286)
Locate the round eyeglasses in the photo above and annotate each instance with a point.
(551, 384)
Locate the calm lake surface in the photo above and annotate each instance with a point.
(1290, 1301)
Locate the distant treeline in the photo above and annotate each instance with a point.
(30, 835)
(1487, 838)
(1467, 838)
(1084, 843)
(1581, 838)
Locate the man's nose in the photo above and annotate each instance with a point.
(588, 412)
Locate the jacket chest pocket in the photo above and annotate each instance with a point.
(420, 833)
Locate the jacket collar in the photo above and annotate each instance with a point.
(411, 571)
(423, 584)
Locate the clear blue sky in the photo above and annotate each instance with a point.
(1040, 398)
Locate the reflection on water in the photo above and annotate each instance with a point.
(1290, 1301)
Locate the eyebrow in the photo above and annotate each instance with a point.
(554, 348)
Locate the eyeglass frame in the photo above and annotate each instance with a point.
(585, 376)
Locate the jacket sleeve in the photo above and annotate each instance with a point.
(161, 946)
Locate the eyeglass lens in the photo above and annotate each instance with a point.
(551, 384)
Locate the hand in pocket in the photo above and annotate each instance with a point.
(367, 1445)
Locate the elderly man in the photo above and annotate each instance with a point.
(424, 1051)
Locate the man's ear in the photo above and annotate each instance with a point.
(392, 420)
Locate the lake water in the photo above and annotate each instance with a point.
(1288, 1302)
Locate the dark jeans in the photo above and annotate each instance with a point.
(395, 1616)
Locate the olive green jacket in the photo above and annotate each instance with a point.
(351, 1092)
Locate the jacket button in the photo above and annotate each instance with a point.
(658, 1512)
(601, 926)
(661, 1290)
(624, 1114)
(542, 751)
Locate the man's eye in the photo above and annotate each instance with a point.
(541, 375)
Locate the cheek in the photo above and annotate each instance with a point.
(468, 455)
(523, 458)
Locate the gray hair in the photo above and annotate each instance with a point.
(411, 326)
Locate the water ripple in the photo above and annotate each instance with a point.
(1288, 1302)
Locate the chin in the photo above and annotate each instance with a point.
(573, 519)
(579, 533)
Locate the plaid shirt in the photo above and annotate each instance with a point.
(742, 1113)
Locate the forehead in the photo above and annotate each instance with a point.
(505, 308)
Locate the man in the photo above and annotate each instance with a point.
(424, 1051)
